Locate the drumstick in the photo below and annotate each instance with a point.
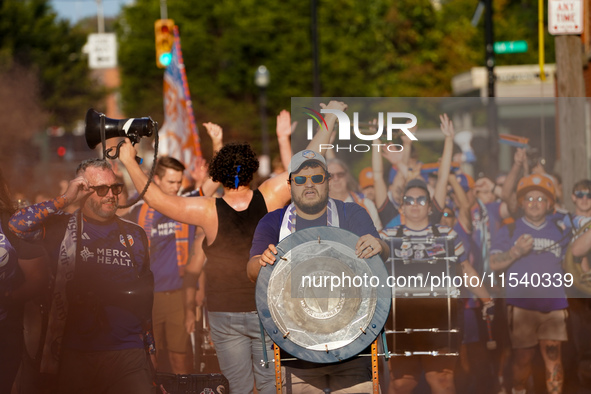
(491, 344)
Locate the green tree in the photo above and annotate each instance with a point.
(402, 48)
(32, 38)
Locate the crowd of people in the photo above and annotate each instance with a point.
(121, 288)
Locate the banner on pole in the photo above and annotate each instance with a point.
(179, 137)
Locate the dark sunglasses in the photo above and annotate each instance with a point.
(302, 179)
(102, 190)
(449, 214)
(582, 194)
(408, 200)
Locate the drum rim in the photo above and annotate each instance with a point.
(375, 325)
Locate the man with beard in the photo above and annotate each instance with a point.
(537, 314)
(311, 207)
(100, 318)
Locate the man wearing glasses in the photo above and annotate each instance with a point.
(170, 242)
(537, 313)
(405, 372)
(311, 207)
(100, 318)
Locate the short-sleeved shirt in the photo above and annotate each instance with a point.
(550, 241)
(428, 231)
(106, 269)
(352, 217)
(163, 249)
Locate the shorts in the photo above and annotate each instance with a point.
(527, 327)
(168, 320)
(351, 376)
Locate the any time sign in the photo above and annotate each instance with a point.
(565, 16)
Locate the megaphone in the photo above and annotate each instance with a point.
(132, 128)
(464, 140)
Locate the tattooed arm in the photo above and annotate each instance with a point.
(523, 245)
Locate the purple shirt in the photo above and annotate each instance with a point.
(352, 217)
(550, 242)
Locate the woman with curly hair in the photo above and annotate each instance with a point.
(23, 274)
(229, 223)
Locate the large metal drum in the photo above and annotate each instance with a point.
(319, 302)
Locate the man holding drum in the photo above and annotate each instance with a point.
(311, 207)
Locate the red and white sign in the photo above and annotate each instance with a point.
(565, 16)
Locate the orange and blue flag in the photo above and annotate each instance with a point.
(179, 137)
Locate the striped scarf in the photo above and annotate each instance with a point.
(288, 225)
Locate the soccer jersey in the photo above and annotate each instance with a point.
(550, 242)
(421, 251)
(102, 313)
(162, 233)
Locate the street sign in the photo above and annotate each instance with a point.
(565, 16)
(510, 47)
(102, 50)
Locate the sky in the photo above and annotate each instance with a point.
(74, 10)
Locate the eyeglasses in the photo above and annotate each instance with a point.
(302, 179)
(449, 215)
(582, 194)
(102, 190)
(536, 199)
(421, 200)
(338, 175)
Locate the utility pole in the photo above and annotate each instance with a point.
(565, 22)
(491, 109)
(100, 16)
(572, 151)
(163, 10)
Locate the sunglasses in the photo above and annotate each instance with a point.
(449, 214)
(338, 175)
(302, 179)
(582, 194)
(535, 199)
(408, 200)
(102, 190)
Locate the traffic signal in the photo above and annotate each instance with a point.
(164, 34)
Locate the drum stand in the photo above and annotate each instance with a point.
(279, 376)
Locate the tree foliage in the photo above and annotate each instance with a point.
(33, 39)
(377, 48)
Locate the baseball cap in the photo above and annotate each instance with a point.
(366, 177)
(416, 182)
(299, 159)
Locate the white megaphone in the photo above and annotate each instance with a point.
(464, 140)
